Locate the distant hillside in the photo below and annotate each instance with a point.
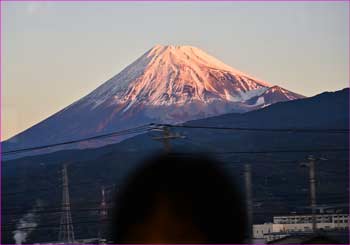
(326, 110)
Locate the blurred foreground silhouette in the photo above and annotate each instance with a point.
(179, 199)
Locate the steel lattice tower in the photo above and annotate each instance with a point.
(66, 232)
(103, 214)
(103, 204)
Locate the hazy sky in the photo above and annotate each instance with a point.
(55, 53)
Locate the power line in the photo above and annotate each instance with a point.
(55, 211)
(84, 221)
(278, 196)
(166, 137)
(59, 207)
(56, 225)
(9, 194)
(227, 164)
(135, 130)
(293, 201)
(288, 130)
(266, 151)
(45, 189)
(151, 126)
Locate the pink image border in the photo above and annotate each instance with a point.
(102, 1)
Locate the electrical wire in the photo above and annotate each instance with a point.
(288, 130)
(152, 126)
(135, 130)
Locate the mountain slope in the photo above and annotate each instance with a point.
(273, 95)
(279, 184)
(168, 84)
(326, 110)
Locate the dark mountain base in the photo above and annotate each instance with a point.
(280, 185)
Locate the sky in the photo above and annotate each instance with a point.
(54, 53)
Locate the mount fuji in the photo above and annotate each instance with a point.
(167, 84)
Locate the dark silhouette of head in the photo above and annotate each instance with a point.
(179, 199)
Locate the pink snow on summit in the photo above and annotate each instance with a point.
(167, 84)
(168, 75)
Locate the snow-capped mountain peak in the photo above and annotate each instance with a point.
(273, 95)
(167, 84)
(176, 75)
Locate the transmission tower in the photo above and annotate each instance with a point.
(66, 232)
(103, 212)
(103, 203)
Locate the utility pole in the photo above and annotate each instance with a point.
(248, 195)
(311, 162)
(166, 137)
(66, 232)
(312, 182)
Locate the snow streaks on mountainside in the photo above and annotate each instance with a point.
(168, 84)
(167, 75)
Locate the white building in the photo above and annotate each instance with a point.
(282, 225)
